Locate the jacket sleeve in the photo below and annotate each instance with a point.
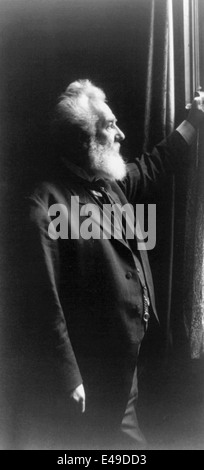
(47, 335)
(150, 170)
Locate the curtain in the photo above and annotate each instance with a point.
(193, 309)
(194, 254)
(160, 105)
(182, 319)
(159, 122)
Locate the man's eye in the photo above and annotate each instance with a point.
(111, 125)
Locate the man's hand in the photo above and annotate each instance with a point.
(78, 396)
(196, 113)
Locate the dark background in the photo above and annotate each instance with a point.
(44, 46)
(48, 44)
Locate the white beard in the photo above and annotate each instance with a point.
(106, 161)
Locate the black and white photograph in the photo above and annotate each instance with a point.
(102, 227)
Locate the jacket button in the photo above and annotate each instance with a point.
(138, 270)
(128, 275)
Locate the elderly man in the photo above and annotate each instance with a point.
(89, 298)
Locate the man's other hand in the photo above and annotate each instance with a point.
(78, 396)
(196, 113)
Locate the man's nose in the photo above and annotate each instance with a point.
(119, 135)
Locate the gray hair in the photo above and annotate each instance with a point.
(78, 105)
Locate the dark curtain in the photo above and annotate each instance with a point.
(193, 308)
(158, 123)
(175, 403)
(160, 99)
(180, 249)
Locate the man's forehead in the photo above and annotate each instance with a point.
(105, 112)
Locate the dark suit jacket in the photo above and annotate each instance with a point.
(83, 317)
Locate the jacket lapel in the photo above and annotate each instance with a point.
(142, 254)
